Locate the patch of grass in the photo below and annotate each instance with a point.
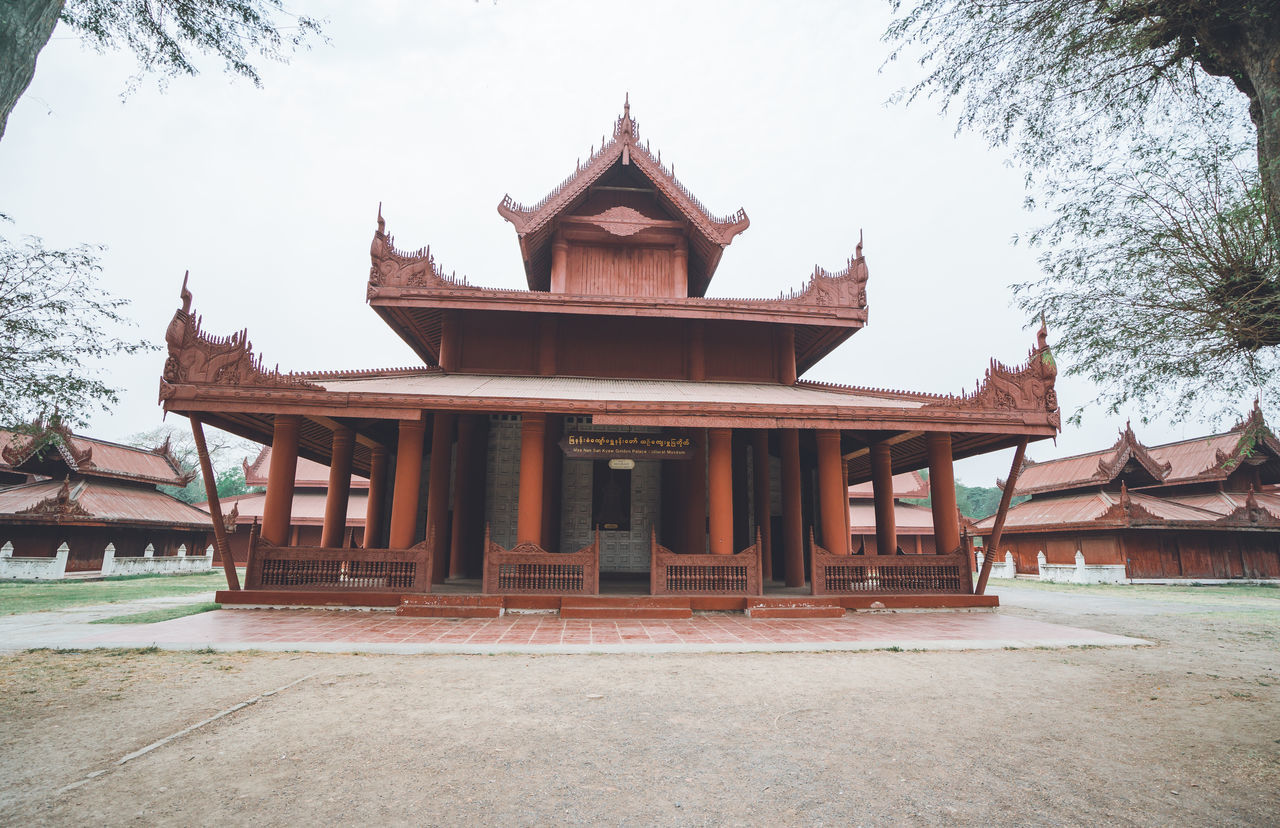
(42, 596)
(155, 616)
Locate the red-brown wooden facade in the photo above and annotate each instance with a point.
(471, 458)
(1205, 508)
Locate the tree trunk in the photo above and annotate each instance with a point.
(1263, 67)
(25, 28)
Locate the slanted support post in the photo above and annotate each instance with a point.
(997, 528)
(215, 507)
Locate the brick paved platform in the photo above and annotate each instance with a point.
(384, 632)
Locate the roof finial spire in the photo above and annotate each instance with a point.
(382, 225)
(858, 251)
(185, 295)
(626, 106)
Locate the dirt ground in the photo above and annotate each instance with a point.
(1186, 732)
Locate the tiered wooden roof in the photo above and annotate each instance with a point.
(623, 162)
(309, 475)
(83, 480)
(1212, 482)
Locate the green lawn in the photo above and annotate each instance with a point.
(155, 616)
(38, 596)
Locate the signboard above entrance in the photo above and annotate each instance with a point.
(593, 445)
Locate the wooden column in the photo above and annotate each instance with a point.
(442, 423)
(463, 473)
(559, 263)
(277, 510)
(792, 517)
(720, 489)
(760, 475)
(449, 341)
(408, 485)
(833, 493)
(473, 551)
(942, 492)
(339, 493)
(695, 491)
(377, 498)
(787, 356)
(882, 491)
(697, 354)
(533, 429)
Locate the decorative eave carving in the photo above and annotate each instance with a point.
(1127, 448)
(1251, 513)
(841, 289)
(396, 268)
(51, 433)
(200, 359)
(231, 519)
(1129, 512)
(165, 450)
(624, 144)
(1028, 387)
(1254, 433)
(64, 504)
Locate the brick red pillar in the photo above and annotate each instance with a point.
(760, 475)
(442, 423)
(882, 491)
(695, 504)
(833, 493)
(533, 429)
(942, 492)
(277, 510)
(339, 492)
(408, 485)
(377, 498)
(792, 508)
(720, 488)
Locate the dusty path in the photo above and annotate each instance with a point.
(1185, 732)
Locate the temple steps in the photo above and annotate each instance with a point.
(450, 606)
(793, 608)
(624, 607)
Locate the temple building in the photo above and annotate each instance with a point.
(914, 523)
(1205, 508)
(615, 427)
(306, 514)
(72, 496)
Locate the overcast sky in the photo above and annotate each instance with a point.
(268, 196)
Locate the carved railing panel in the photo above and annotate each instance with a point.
(910, 574)
(528, 569)
(703, 574)
(320, 568)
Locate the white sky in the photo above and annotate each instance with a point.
(438, 109)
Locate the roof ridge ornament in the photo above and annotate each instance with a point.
(65, 503)
(1026, 387)
(1129, 447)
(392, 267)
(198, 358)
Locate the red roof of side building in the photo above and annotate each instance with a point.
(1127, 457)
(908, 519)
(88, 501)
(907, 484)
(308, 508)
(64, 452)
(1102, 509)
(310, 474)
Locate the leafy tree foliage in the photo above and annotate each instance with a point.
(164, 35)
(55, 322)
(226, 451)
(1152, 127)
(975, 502)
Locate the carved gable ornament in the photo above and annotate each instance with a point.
(391, 267)
(53, 433)
(64, 504)
(197, 358)
(621, 221)
(1028, 387)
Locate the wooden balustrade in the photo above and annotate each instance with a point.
(851, 574)
(337, 568)
(528, 569)
(673, 574)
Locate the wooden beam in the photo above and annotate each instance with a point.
(215, 508)
(334, 425)
(998, 527)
